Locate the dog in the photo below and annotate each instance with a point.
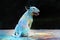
(24, 24)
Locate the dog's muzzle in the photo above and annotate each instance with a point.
(36, 14)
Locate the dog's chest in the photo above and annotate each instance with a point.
(30, 20)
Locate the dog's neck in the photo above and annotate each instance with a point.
(28, 13)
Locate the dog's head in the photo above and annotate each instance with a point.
(35, 11)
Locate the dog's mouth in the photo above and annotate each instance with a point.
(36, 14)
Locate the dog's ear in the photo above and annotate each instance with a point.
(26, 7)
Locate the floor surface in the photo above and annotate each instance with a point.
(6, 35)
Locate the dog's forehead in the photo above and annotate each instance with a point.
(33, 7)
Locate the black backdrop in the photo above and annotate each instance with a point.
(12, 10)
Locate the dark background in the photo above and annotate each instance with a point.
(12, 10)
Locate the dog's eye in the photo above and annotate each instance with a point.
(33, 8)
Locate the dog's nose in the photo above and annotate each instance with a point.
(38, 10)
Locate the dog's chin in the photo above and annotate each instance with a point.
(36, 14)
